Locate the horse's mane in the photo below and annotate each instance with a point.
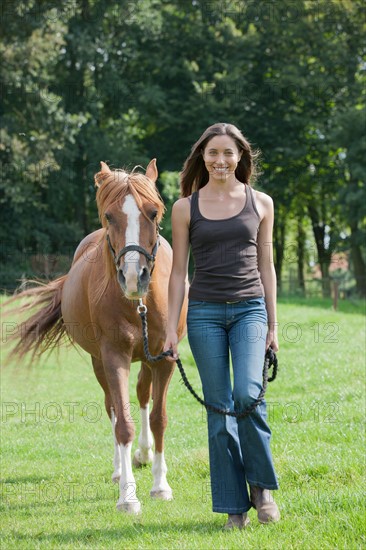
(113, 186)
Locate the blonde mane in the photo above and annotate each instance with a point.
(113, 186)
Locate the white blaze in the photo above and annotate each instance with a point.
(132, 237)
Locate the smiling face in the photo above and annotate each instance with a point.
(221, 156)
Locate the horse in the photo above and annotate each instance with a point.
(94, 304)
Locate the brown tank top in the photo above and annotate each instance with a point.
(225, 254)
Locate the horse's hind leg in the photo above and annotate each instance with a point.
(100, 375)
(161, 375)
(144, 453)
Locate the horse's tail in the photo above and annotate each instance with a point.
(44, 329)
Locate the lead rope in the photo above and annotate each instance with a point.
(270, 360)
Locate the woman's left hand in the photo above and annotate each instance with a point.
(272, 340)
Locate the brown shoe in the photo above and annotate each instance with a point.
(236, 521)
(263, 502)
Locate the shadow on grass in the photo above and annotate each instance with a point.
(125, 534)
(26, 479)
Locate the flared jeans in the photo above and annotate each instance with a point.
(239, 449)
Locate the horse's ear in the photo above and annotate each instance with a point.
(104, 171)
(152, 171)
(104, 167)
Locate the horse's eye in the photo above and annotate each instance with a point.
(108, 217)
(153, 214)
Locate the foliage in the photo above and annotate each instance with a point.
(91, 80)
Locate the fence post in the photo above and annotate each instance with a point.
(335, 295)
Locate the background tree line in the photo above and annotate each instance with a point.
(91, 80)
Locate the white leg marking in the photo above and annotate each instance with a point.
(117, 465)
(132, 237)
(128, 501)
(161, 488)
(144, 454)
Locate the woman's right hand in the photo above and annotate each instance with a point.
(171, 342)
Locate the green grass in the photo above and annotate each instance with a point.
(57, 450)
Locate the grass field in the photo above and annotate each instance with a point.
(57, 450)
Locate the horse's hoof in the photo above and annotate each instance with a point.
(136, 463)
(129, 507)
(162, 495)
(140, 459)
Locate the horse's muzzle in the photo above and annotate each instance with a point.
(134, 284)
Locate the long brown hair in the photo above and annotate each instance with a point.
(195, 175)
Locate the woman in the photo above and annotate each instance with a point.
(232, 311)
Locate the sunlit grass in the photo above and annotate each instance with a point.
(57, 450)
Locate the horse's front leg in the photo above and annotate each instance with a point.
(117, 368)
(100, 374)
(117, 463)
(144, 454)
(161, 375)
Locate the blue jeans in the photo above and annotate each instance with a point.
(239, 448)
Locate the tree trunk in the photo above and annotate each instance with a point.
(81, 187)
(324, 254)
(75, 103)
(279, 248)
(358, 264)
(301, 237)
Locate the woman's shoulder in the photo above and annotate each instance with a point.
(264, 204)
(183, 203)
(182, 208)
(264, 199)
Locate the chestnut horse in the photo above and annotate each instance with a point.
(95, 305)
